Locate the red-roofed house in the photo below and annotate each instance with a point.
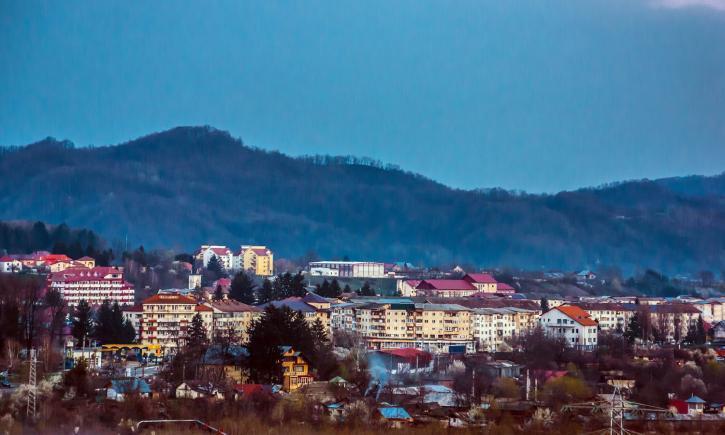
(93, 285)
(573, 324)
(446, 288)
(503, 288)
(483, 282)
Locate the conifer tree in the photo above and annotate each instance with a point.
(82, 321)
(242, 288)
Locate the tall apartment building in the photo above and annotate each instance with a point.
(166, 318)
(258, 260)
(94, 285)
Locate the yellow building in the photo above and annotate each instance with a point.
(87, 262)
(258, 260)
(166, 318)
(296, 370)
(430, 327)
(229, 313)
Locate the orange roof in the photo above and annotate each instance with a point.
(203, 308)
(169, 299)
(577, 314)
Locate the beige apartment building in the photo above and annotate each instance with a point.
(166, 317)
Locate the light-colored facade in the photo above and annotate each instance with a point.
(258, 260)
(572, 323)
(492, 327)
(222, 253)
(166, 318)
(348, 269)
(92, 285)
(232, 314)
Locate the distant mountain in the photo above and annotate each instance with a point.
(192, 185)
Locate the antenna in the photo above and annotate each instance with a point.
(30, 411)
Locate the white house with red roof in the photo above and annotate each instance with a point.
(572, 323)
(93, 285)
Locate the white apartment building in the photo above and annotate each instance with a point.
(223, 254)
(573, 324)
(492, 327)
(166, 318)
(93, 285)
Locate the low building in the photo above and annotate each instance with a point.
(199, 390)
(229, 314)
(572, 323)
(395, 416)
(120, 389)
(348, 269)
(446, 288)
(483, 282)
(10, 265)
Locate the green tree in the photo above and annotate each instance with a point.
(196, 335)
(298, 286)
(266, 292)
(82, 327)
(366, 290)
(242, 288)
(55, 303)
(104, 329)
(275, 328)
(544, 305)
(634, 328)
(218, 293)
(215, 266)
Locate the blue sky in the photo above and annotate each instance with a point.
(534, 95)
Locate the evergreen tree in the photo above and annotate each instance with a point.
(266, 292)
(196, 335)
(544, 305)
(275, 328)
(56, 305)
(82, 322)
(218, 293)
(335, 290)
(634, 328)
(298, 286)
(366, 290)
(347, 289)
(242, 288)
(282, 286)
(319, 334)
(700, 334)
(128, 333)
(323, 289)
(215, 266)
(103, 331)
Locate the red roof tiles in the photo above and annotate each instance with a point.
(445, 284)
(577, 314)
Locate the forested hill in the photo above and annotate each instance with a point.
(190, 185)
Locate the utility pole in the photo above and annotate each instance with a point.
(30, 411)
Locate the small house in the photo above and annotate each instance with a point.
(199, 390)
(395, 416)
(119, 389)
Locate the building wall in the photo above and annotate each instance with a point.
(557, 323)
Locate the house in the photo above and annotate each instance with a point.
(695, 405)
(394, 416)
(586, 275)
(220, 363)
(403, 360)
(119, 389)
(573, 324)
(406, 287)
(10, 265)
(308, 306)
(199, 390)
(718, 331)
(87, 262)
(295, 369)
(502, 369)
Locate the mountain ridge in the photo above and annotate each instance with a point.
(189, 185)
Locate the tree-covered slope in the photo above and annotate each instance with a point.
(191, 185)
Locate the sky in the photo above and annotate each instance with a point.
(538, 95)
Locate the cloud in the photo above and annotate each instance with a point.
(679, 4)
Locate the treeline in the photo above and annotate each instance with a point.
(25, 238)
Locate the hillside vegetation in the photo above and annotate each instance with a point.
(191, 185)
